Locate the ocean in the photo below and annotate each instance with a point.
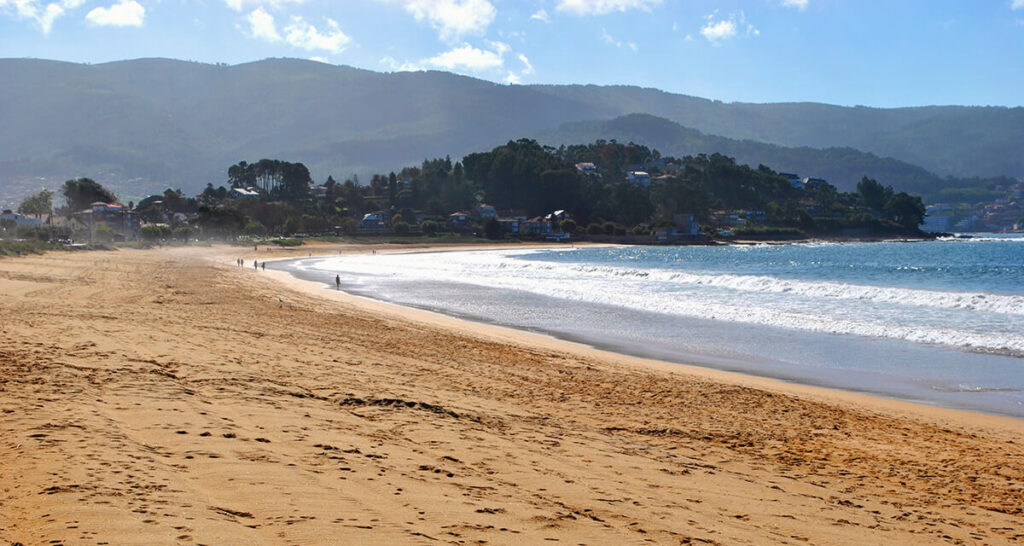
(938, 322)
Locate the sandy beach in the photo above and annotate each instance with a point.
(168, 396)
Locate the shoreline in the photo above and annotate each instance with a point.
(725, 365)
(168, 396)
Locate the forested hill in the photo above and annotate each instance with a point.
(155, 123)
(181, 122)
(843, 167)
(960, 141)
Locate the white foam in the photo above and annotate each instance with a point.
(972, 321)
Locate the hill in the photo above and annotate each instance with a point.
(843, 167)
(949, 140)
(151, 123)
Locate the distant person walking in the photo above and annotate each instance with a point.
(255, 264)
(337, 281)
(264, 266)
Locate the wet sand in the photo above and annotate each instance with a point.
(171, 397)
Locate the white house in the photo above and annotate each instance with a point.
(639, 177)
(245, 193)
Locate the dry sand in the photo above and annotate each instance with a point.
(167, 396)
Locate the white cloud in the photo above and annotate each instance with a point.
(633, 46)
(717, 32)
(239, 5)
(802, 4)
(609, 39)
(298, 33)
(488, 62)
(301, 34)
(42, 14)
(603, 7)
(527, 66)
(1017, 4)
(501, 48)
(517, 77)
(452, 19)
(542, 15)
(261, 25)
(127, 13)
(466, 58)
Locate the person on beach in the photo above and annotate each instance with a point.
(255, 264)
(337, 281)
(264, 266)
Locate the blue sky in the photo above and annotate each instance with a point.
(849, 52)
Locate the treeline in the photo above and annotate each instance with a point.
(525, 179)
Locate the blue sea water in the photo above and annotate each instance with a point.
(937, 322)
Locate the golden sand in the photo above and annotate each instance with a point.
(170, 397)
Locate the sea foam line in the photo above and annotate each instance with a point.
(626, 288)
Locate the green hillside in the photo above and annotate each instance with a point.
(148, 123)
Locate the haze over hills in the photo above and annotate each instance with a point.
(154, 123)
(842, 166)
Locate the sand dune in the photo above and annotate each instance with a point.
(168, 396)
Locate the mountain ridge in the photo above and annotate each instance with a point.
(178, 123)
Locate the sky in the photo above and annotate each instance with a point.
(848, 52)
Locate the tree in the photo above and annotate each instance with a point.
(155, 233)
(220, 221)
(38, 204)
(104, 233)
(567, 226)
(183, 233)
(430, 227)
(493, 229)
(906, 210)
(873, 195)
(83, 192)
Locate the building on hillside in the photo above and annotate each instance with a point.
(812, 184)
(756, 216)
(555, 219)
(245, 193)
(794, 180)
(727, 218)
(460, 221)
(124, 223)
(510, 225)
(374, 222)
(640, 178)
(587, 168)
(518, 214)
(485, 211)
(16, 219)
(684, 229)
(535, 226)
